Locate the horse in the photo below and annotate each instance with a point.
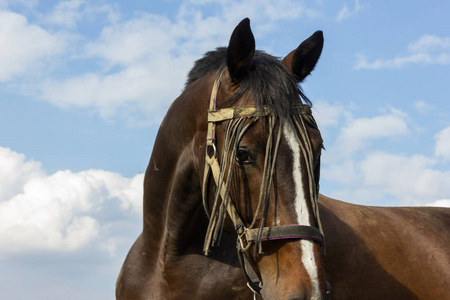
(232, 208)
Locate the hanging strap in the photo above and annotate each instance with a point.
(254, 281)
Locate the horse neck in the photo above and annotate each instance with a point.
(173, 214)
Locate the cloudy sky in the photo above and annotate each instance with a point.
(85, 84)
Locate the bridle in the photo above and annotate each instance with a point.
(246, 236)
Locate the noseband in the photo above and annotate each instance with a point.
(246, 236)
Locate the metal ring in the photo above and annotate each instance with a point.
(249, 244)
(214, 150)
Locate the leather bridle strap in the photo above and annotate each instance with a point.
(285, 232)
(224, 114)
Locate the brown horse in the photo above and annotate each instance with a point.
(231, 199)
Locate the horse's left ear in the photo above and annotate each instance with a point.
(240, 51)
(302, 60)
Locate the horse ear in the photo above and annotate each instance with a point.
(302, 60)
(240, 51)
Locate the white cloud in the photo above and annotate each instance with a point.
(140, 89)
(387, 179)
(266, 10)
(427, 50)
(329, 115)
(346, 12)
(430, 43)
(15, 172)
(413, 180)
(25, 47)
(66, 13)
(153, 56)
(64, 211)
(359, 132)
(440, 203)
(138, 65)
(345, 172)
(136, 40)
(143, 61)
(422, 106)
(356, 174)
(442, 148)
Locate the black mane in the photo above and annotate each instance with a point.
(269, 81)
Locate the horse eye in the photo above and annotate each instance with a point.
(243, 156)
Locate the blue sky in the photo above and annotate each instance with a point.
(85, 84)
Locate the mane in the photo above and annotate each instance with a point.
(268, 80)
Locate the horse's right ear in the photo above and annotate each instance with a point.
(240, 51)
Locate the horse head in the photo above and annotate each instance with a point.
(261, 170)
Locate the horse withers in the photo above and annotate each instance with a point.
(231, 203)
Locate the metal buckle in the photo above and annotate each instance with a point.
(241, 242)
(214, 150)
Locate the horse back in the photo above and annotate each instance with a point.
(386, 252)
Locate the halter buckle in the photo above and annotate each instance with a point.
(208, 150)
(241, 238)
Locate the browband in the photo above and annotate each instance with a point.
(251, 112)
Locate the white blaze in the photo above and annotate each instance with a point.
(301, 209)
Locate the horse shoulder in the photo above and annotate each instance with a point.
(137, 278)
